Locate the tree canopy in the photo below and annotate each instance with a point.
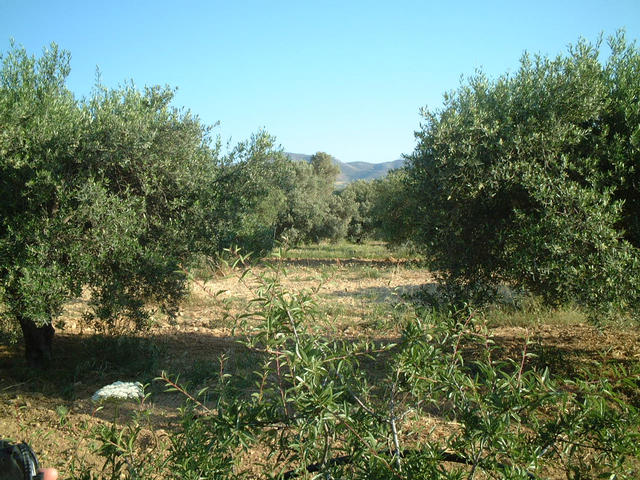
(532, 178)
(311, 212)
(113, 194)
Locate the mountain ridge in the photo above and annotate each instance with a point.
(352, 171)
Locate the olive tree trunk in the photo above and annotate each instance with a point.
(37, 342)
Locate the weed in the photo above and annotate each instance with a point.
(531, 314)
(62, 412)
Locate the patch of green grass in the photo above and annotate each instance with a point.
(368, 315)
(533, 313)
(367, 271)
(200, 371)
(387, 318)
(328, 311)
(238, 362)
(126, 356)
(341, 250)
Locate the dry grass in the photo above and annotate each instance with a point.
(356, 299)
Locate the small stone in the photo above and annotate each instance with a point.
(119, 391)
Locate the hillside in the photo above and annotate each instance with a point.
(352, 171)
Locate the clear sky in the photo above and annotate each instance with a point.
(345, 77)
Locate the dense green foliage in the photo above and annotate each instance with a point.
(394, 209)
(360, 195)
(113, 194)
(311, 211)
(532, 179)
(250, 195)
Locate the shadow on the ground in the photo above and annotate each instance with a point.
(96, 358)
(84, 363)
(325, 262)
(384, 294)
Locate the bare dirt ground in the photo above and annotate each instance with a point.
(52, 410)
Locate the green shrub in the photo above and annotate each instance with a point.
(530, 179)
(113, 195)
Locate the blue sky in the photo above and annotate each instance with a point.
(345, 77)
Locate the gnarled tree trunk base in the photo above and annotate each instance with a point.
(37, 342)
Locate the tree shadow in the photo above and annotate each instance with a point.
(384, 294)
(84, 363)
(328, 262)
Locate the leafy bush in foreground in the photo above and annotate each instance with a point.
(443, 405)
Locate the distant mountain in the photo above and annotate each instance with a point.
(352, 171)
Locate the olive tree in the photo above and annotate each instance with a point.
(251, 180)
(394, 208)
(532, 178)
(41, 131)
(112, 195)
(360, 196)
(311, 213)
